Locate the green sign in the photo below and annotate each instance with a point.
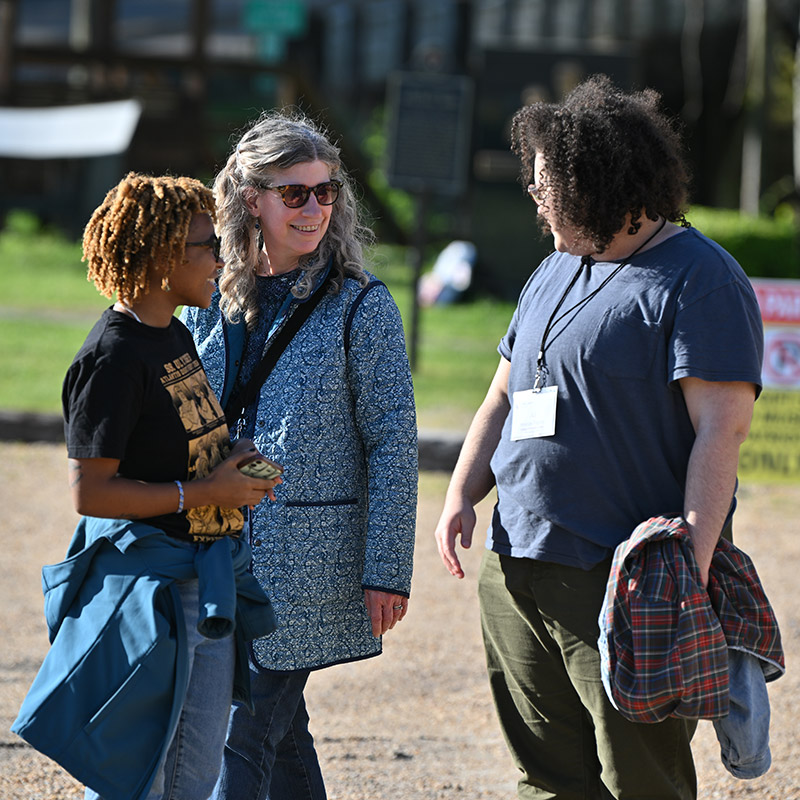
(271, 47)
(286, 17)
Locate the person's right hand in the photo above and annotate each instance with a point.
(457, 519)
(227, 487)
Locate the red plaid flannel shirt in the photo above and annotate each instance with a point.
(664, 639)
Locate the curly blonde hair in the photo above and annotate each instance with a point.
(139, 232)
(279, 140)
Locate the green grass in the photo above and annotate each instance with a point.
(457, 348)
(457, 359)
(36, 354)
(47, 308)
(42, 271)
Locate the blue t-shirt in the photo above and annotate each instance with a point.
(623, 434)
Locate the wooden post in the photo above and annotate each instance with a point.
(796, 114)
(755, 106)
(8, 25)
(418, 250)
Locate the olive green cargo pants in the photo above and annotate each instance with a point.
(540, 632)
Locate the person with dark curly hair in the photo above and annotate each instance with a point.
(149, 613)
(625, 387)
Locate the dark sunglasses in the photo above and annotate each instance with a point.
(295, 195)
(213, 242)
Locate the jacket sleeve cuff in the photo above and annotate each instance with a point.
(400, 592)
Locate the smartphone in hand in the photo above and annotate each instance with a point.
(259, 466)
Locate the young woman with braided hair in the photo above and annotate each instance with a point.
(337, 410)
(143, 660)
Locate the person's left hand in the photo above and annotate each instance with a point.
(385, 610)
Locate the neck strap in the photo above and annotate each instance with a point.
(540, 380)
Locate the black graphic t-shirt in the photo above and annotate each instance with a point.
(139, 394)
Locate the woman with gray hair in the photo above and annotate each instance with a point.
(306, 350)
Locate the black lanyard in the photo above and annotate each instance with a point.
(541, 365)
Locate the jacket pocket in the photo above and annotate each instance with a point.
(138, 703)
(122, 743)
(351, 501)
(116, 701)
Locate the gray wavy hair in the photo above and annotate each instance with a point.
(279, 140)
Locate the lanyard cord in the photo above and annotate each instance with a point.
(541, 366)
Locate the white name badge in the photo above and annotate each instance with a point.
(533, 414)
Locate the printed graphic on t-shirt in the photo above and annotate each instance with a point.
(209, 443)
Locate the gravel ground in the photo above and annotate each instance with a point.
(415, 724)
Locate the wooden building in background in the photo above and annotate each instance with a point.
(200, 69)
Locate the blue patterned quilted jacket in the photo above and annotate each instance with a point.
(338, 412)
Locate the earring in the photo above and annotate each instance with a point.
(165, 285)
(258, 226)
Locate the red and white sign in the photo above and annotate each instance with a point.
(781, 357)
(780, 311)
(779, 300)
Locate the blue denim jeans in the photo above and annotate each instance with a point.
(191, 766)
(271, 756)
(743, 735)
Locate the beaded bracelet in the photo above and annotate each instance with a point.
(180, 501)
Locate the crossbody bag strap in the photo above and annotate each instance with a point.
(240, 399)
(348, 325)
